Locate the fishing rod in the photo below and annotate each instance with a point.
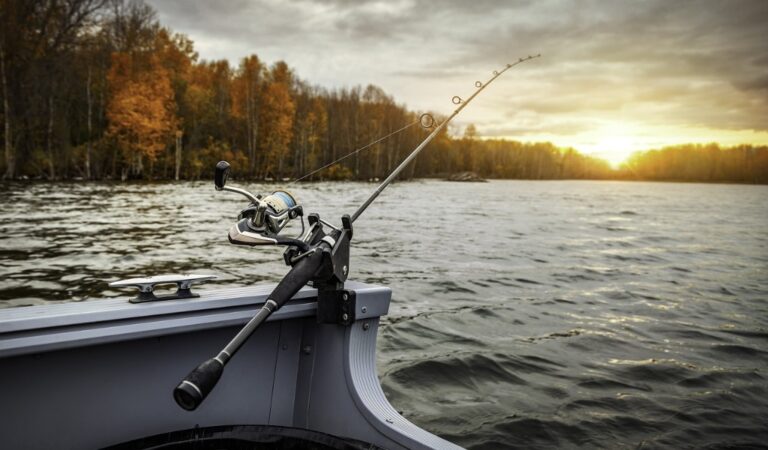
(315, 255)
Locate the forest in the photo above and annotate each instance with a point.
(99, 89)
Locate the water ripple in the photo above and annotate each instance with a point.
(568, 314)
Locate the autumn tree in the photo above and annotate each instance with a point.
(276, 119)
(469, 156)
(246, 104)
(37, 41)
(177, 55)
(310, 131)
(141, 111)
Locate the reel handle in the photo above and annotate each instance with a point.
(220, 180)
(221, 175)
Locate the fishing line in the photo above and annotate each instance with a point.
(425, 120)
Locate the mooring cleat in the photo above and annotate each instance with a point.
(147, 285)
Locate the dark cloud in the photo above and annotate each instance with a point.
(683, 63)
(754, 84)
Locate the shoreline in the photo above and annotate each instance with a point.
(372, 182)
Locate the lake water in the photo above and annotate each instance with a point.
(525, 314)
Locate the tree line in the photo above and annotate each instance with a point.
(705, 163)
(99, 89)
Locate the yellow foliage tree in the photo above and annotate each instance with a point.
(276, 118)
(313, 127)
(246, 89)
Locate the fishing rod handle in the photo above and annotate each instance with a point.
(196, 386)
(193, 389)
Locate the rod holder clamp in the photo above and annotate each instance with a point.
(336, 306)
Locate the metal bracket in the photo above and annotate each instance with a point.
(336, 306)
(335, 267)
(147, 285)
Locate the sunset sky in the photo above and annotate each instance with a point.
(614, 77)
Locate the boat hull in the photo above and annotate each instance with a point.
(101, 373)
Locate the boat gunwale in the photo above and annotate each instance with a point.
(23, 318)
(41, 328)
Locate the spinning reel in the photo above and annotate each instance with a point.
(263, 220)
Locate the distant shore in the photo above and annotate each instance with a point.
(24, 180)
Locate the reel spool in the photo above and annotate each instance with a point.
(273, 212)
(262, 221)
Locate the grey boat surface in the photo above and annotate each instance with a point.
(100, 374)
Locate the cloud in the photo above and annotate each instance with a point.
(753, 84)
(679, 63)
(537, 128)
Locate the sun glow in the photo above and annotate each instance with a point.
(616, 141)
(615, 148)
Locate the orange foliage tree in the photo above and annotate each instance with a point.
(141, 110)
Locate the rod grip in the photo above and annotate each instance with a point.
(193, 389)
(301, 273)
